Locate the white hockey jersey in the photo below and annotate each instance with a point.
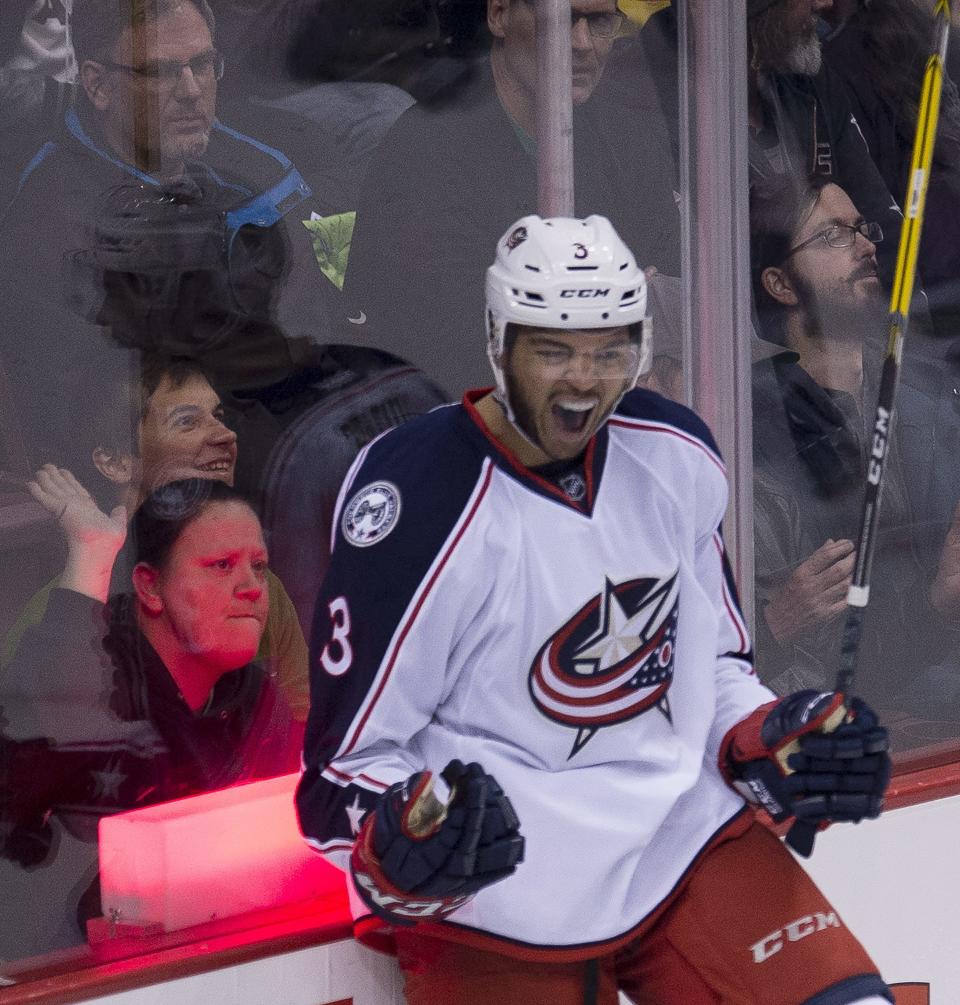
(590, 655)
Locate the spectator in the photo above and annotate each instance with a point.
(37, 71)
(801, 123)
(178, 427)
(149, 696)
(149, 219)
(880, 51)
(35, 53)
(452, 175)
(815, 278)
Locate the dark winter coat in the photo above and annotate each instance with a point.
(444, 186)
(93, 724)
(812, 120)
(889, 138)
(97, 256)
(810, 451)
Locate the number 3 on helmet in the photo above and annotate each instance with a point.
(566, 274)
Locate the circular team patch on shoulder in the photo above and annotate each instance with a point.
(371, 514)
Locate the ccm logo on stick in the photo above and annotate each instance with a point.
(881, 431)
(809, 924)
(584, 294)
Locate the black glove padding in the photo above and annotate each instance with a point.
(812, 757)
(843, 775)
(418, 858)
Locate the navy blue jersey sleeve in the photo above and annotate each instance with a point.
(648, 405)
(387, 617)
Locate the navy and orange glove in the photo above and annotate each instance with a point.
(418, 858)
(811, 756)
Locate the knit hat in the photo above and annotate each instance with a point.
(755, 7)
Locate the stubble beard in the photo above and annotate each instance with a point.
(832, 318)
(188, 149)
(776, 50)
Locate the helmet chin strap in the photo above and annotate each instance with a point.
(503, 400)
(502, 397)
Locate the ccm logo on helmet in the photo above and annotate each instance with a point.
(584, 294)
(809, 924)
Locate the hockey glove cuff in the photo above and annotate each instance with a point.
(810, 756)
(418, 858)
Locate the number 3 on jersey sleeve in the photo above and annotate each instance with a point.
(337, 655)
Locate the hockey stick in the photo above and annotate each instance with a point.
(801, 835)
(859, 593)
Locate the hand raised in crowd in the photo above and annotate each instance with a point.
(93, 537)
(945, 588)
(815, 593)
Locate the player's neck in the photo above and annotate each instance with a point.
(502, 430)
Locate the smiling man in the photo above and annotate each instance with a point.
(534, 582)
(183, 433)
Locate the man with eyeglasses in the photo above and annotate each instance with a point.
(534, 716)
(452, 174)
(167, 89)
(819, 300)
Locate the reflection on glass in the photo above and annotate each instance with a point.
(456, 171)
(822, 309)
(241, 239)
(116, 702)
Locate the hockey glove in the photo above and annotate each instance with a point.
(416, 858)
(812, 757)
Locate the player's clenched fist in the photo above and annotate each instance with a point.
(417, 857)
(811, 756)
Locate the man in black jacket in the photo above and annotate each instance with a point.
(451, 177)
(801, 123)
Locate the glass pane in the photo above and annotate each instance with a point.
(833, 111)
(241, 241)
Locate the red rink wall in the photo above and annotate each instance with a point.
(893, 881)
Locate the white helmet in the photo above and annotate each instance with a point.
(567, 274)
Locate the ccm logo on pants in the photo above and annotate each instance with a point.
(809, 924)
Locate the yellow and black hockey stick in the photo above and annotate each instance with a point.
(899, 315)
(801, 834)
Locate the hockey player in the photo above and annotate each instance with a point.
(529, 589)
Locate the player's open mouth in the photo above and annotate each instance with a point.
(573, 416)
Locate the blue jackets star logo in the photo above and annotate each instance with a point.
(612, 661)
(355, 814)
